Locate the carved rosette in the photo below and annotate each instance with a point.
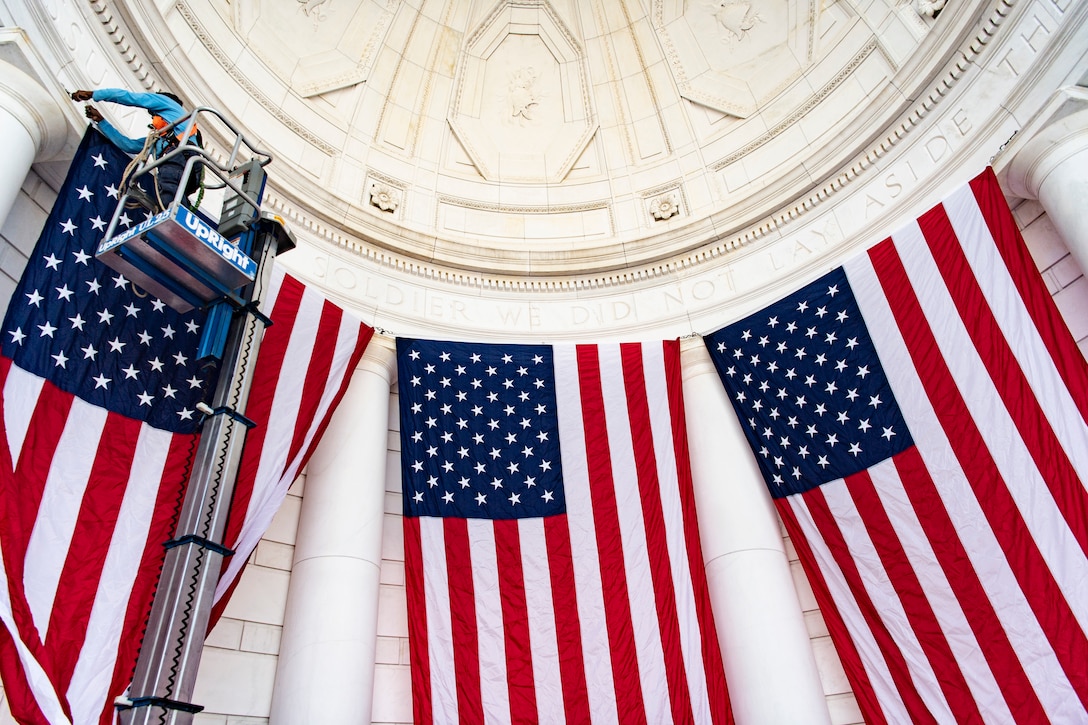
(385, 197)
(665, 206)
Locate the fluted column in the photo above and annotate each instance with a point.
(1051, 165)
(32, 128)
(325, 671)
(769, 663)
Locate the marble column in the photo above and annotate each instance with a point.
(32, 128)
(769, 662)
(325, 671)
(1050, 163)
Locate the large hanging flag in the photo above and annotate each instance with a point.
(919, 416)
(551, 548)
(98, 385)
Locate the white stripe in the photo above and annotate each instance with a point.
(1019, 329)
(691, 645)
(885, 599)
(1006, 445)
(62, 498)
(490, 632)
(872, 659)
(583, 539)
(282, 417)
(272, 480)
(21, 391)
(636, 562)
(538, 600)
(436, 588)
(984, 551)
(40, 685)
(93, 673)
(946, 608)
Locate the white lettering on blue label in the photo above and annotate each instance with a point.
(227, 250)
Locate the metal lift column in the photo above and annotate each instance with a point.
(166, 671)
(186, 261)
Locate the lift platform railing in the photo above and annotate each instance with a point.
(179, 254)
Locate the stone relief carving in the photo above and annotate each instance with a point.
(929, 8)
(734, 55)
(522, 95)
(314, 9)
(735, 18)
(384, 197)
(665, 206)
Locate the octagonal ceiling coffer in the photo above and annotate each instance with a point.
(521, 108)
(735, 55)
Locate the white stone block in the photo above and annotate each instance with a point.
(804, 590)
(1043, 242)
(227, 634)
(844, 709)
(284, 524)
(392, 572)
(832, 675)
(260, 638)
(392, 611)
(393, 537)
(1067, 271)
(1072, 302)
(235, 683)
(393, 504)
(207, 718)
(24, 224)
(392, 694)
(261, 595)
(274, 555)
(387, 651)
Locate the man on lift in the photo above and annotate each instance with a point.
(165, 109)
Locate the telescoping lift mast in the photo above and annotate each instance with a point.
(188, 260)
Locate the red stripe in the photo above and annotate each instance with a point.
(1026, 561)
(1066, 356)
(919, 612)
(617, 606)
(417, 623)
(171, 489)
(713, 666)
(657, 543)
(1012, 385)
(568, 628)
(833, 539)
(79, 580)
(466, 642)
(18, 696)
(23, 500)
(363, 337)
(992, 640)
(515, 620)
(860, 683)
(31, 472)
(316, 380)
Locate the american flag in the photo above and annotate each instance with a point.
(551, 548)
(919, 416)
(98, 384)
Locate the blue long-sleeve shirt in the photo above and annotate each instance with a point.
(155, 103)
